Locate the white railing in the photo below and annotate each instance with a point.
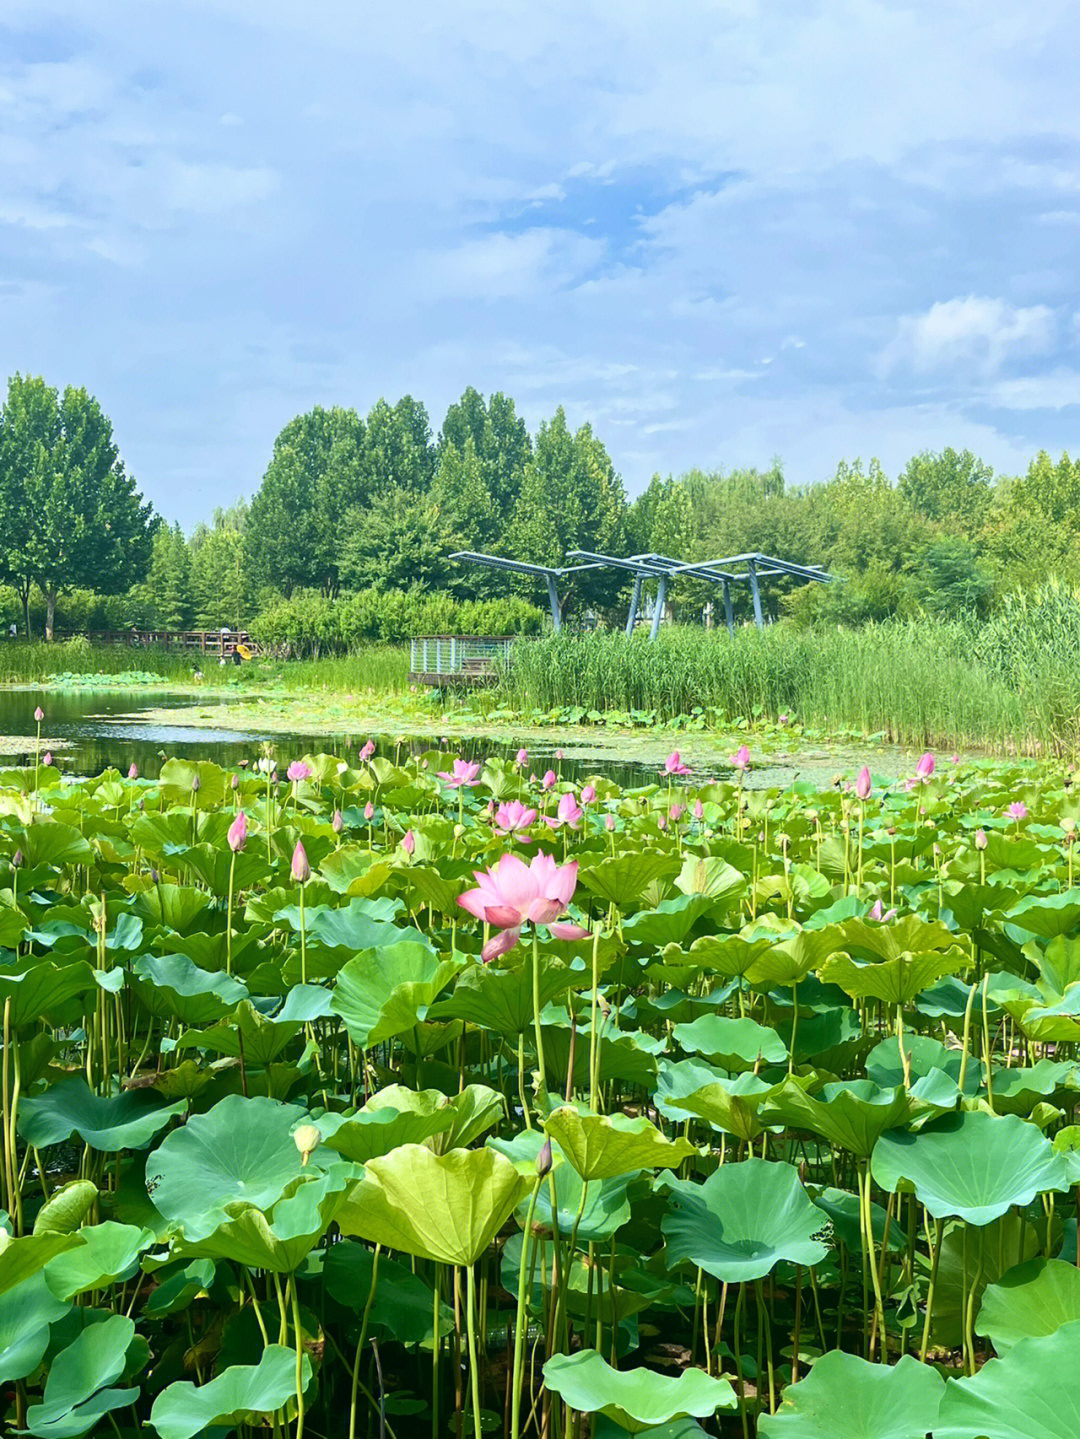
(456, 655)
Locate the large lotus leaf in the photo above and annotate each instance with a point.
(734, 1105)
(25, 1315)
(623, 879)
(171, 985)
(371, 1132)
(40, 988)
(844, 1397)
(177, 778)
(731, 955)
(845, 1212)
(76, 1392)
(852, 1114)
(179, 1288)
(472, 1111)
(635, 1399)
(54, 844)
(731, 1043)
(281, 1238)
(1031, 1299)
(1033, 1392)
(625, 1055)
(403, 1307)
(383, 992)
(713, 876)
(177, 907)
(355, 870)
(22, 1258)
(793, 953)
(742, 1221)
(13, 926)
(446, 1207)
(894, 981)
(671, 921)
(924, 1056)
(109, 1255)
(1017, 1091)
(677, 1079)
(974, 1166)
(1058, 1020)
(248, 1034)
(66, 1207)
(1047, 915)
(601, 1146)
(908, 935)
(214, 865)
(241, 1150)
(243, 1394)
(502, 999)
(130, 1120)
(599, 1208)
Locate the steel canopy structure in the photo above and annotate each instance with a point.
(746, 569)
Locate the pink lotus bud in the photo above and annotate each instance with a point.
(337, 824)
(549, 779)
(523, 756)
(676, 812)
(18, 859)
(588, 794)
(369, 811)
(543, 1159)
(234, 782)
(662, 821)
(699, 810)
(609, 823)
(558, 754)
(301, 869)
(980, 839)
(237, 835)
(864, 784)
(46, 758)
(368, 750)
(741, 758)
(925, 768)
(196, 783)
(408, 842)
(133, 770)
(39, 714)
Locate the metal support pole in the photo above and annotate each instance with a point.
(751, 569)
(661, 596)
(729, 613)
(556, 608)
(635, 601)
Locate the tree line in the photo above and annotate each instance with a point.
(357, 515)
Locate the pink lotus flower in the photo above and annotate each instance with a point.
(676, 812)
(367, 750)
(513, 893)
(523, 756)
(46, 758)
(133, 770)
(783, 719)
(548, 782)
(299, 770)
(980, 839)
(39, 714)
(955, 759)
(741, 758)
(558, 754)
(512, 818)
(925, 768)
(674, 765)
(301, 869)
(879, 913)
(609, 823)
(1017, 810)
(238, 833)
(698, 810)
(369, 811)
(464, 773)
(566, 930)
(408, 842)
(863, 784)
(588, 794)
(662, 822)
(568, 812)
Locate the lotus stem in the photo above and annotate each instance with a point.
(470, 1330)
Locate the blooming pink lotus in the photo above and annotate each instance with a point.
(238, 832)
(569, 813)
(674, 764)
(464, 772)
(740, 760)
(863, 783)
(925, 768)
(513, 893)
(299, 770)
(1017, 810)
(301, 868)
(512, 818)
(367, 750)
(881, 914)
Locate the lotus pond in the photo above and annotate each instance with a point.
(433, 1097)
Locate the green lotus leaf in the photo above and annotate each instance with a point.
(382, 992)
(925, 1056)
(355, 870)
(673, 919)
(974, 1258)
(171, 984)
(973, 1166)
(712, 876)
(66, 1208)
(844, 1397)
(636, 1399)
(54, 844)
(109, 1255)
(13, 927)
(176, 779)
(623, 879)
(851, 1113)
(214, 865)
(845, 1213)
(731, 955)
(40, 988)
(1017, 1091)
(910, 934)
(176, 907)
(601, 1146)
(598, 1209)
(731, 1043)
(77, 1392)
(1058, 1020)
(22, 1258)
(677, 1079)
(1032, 1392)
(621, 1054)
(261, 1039)
(1047, 915)
(176, 1290)
(734, 1105)
(502, 999)
(471, 1112)
(403, 1307)
(371, 1132)
(25, 1315)
(446, 1207)
(241, 1395)
(1031, 1299)
(742, 1221)
(130, 1120)
(588, 1286)
(894, 981)
(241, 1150)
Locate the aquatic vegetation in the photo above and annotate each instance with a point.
(436, 1095)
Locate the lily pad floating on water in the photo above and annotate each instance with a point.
(635, 1399)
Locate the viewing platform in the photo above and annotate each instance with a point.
(457, 659)
(220, 644)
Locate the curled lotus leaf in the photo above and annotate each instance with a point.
(601, 1146)
(1034, 1298)
(845, 1397)
(635, 1399)
(242, 1394)
(1032, 1392)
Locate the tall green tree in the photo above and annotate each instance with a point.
(500, 442)
(398, 450)
(401, 539)
(164, 600)
(219, 577)
(29, 432)
(953, 487)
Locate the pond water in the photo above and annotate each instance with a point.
(92, 730)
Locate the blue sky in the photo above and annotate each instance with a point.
(718, 231)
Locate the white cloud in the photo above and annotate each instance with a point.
(506, 266)
(1057, 390)
(970, 333)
